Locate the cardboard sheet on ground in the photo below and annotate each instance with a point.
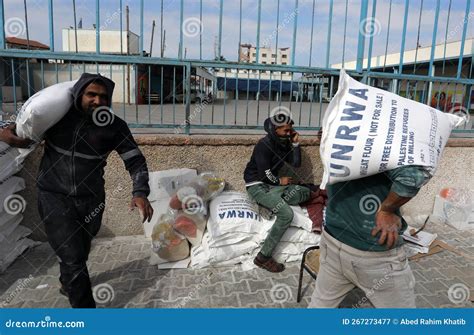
(367, 130)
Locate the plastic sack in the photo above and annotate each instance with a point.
(455, 206)
(191, 226)
(189, 205)
(168, 244)
(192, 197)
(367, 130)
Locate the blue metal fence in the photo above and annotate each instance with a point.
(183, 94)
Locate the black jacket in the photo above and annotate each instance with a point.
(76, 149)
(268, 157)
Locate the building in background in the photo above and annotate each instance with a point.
(21, 43)
(261, 84)
(109, 41)
(444, 96)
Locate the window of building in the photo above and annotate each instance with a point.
(264, 55)
(284, 63)
(264, 62)
(254, 54)
(274, 55)
(283, 56)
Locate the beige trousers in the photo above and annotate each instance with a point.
(385, 276)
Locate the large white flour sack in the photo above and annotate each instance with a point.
(367, 130)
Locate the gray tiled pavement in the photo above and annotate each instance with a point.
(123, 278)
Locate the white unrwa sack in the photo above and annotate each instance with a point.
(367, 130)
(233, 212)
(204, 255)
(13, 251)
(42, 111)
(9, 227)
(8, 163)
(233, 216)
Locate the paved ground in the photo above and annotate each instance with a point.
(122, 278)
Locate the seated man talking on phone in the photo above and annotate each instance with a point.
(275, 193)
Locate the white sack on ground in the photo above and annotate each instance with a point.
(14, 251)
(233, 213)
(8, 227)
(8, 164)
(4, 218)
(367, 130)
(236, 232)
(15, 235)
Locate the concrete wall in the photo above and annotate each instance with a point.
(227, 156)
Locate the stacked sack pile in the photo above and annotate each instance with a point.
(184, 222)
(40, 112)
(13, 241)
(236, 231)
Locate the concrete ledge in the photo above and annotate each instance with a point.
(237, 140)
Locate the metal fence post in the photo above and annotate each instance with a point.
(360, 46)
(188, 98)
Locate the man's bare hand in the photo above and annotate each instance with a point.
(286, 181)
(388, 225)
(295, 137)
(146, 211)
(9, 136)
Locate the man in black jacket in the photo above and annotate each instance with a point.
(71, 195)
(270, 191)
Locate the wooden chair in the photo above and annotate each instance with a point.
(310, 263)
